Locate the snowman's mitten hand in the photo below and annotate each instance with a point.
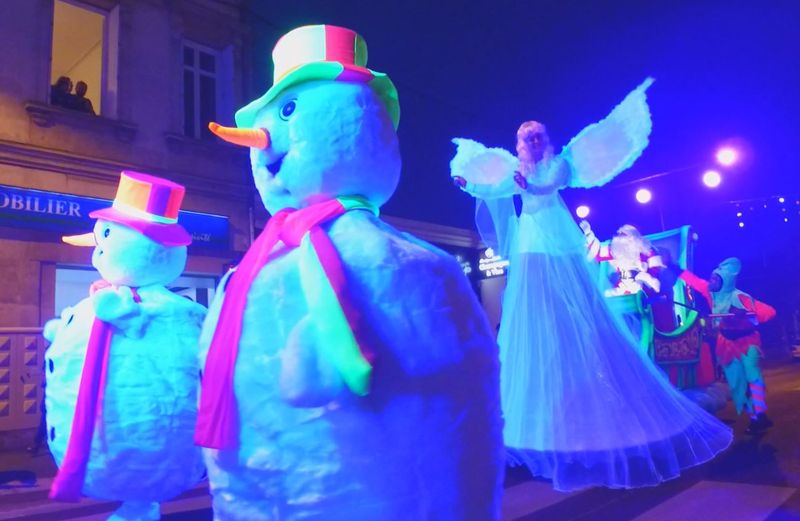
(52, 328)
(307, 379)
(117, 307)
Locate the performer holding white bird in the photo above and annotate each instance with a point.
(350, 373)
(123, 377)
(582, 406)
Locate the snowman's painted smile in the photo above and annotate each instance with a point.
(276, 166)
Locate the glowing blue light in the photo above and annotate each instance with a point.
(781, 200)
(741, 224)
(644, 196)
(582, 211)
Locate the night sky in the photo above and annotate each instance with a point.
(726, 71)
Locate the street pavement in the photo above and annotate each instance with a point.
(756, 479)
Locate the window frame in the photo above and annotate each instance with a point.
(197, 72)
(109, 67)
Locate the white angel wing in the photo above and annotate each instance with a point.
(604, 149)
(480, 165)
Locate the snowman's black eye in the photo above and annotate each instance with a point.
(106, 232)
(288, 109)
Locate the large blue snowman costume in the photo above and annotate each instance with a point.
(425, 441)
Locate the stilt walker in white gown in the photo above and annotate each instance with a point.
(581, 405)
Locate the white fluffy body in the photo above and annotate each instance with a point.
(142, 449)
(426, 442)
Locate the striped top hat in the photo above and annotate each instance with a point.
(321, 52)
(146, 203)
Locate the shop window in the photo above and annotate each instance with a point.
(83, 60)
(72, 286)
(199, 288)
(206, 75)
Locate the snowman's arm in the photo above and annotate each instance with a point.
(118, 307)
(307, 379)
(53, 327)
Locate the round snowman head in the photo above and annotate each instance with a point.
(125, 257)
(327, 139)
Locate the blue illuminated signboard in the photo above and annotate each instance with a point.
(69, 214)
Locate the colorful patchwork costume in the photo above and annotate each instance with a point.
(738, 344)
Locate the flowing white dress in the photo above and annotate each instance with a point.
(581, 405)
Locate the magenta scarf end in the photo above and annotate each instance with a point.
(214, 441)
(65, 492)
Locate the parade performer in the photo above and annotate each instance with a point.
(122, 368)
(634, 259)
(582, 406)
(350, 373)
(737, 315)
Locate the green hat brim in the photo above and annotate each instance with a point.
(380, 84)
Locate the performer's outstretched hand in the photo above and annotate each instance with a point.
(521, 181)
(459, 181)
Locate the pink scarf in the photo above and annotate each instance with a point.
(323, 284)
(69, 481)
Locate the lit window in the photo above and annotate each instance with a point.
(201, 74)
(83, 61)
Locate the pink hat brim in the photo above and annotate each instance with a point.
(166, 234)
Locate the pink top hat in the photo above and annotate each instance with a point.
(146, 203)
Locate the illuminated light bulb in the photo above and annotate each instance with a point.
(644, 196)
(711, 178)
(727, 156)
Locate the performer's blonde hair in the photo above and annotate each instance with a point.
(532, 127)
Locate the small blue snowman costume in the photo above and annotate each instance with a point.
(137, 445)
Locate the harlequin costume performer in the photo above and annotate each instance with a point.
(738, 344)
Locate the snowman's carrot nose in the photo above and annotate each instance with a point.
(86, 239)
(246, 137)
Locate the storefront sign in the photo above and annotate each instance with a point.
(69, 214)
(492, 265)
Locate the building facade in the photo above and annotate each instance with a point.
(89, 88)
(154, 73)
